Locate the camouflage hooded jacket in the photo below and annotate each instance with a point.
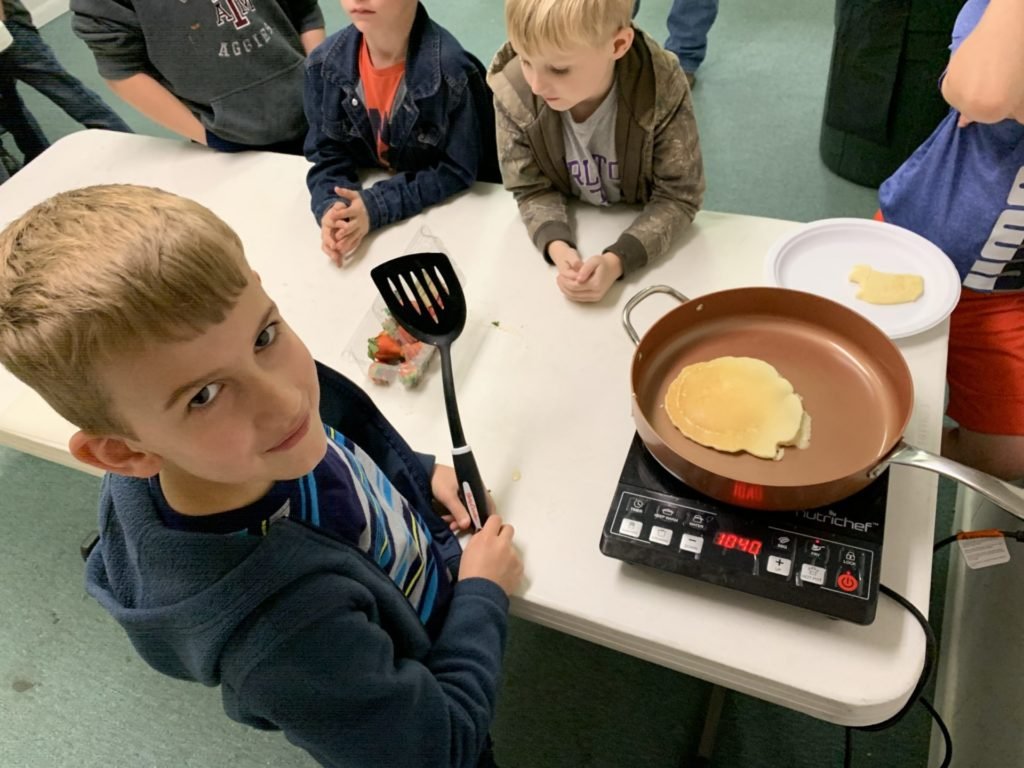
(655, 139)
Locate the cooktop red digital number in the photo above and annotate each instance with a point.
(741, 543)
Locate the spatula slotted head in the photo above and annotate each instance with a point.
(422, 292)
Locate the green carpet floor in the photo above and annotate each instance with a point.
(73, 694)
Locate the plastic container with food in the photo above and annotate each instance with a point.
(385, 350)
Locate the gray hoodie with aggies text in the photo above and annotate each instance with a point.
(237, 64)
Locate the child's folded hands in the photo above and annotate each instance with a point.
(344, 225)
(356, 224)
(583, 280)
(592, 279)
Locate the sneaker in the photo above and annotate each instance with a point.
(691, 78)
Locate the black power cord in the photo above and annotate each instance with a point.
(929, 655)
(946, 738)
(930, 652)
(922, 681)
(987, 534)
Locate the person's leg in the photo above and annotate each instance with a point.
(487, 756)
(33, 62)
(998, 455)
(986, 384)
(7, 165)
(688, 24)
(15, 117)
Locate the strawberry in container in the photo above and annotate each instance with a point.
(396, 355)
(385, 348)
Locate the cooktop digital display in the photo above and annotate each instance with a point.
(825, 559)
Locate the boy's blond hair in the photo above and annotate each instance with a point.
(540, 25)
(94, 274)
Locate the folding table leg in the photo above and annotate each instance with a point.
(709, 735)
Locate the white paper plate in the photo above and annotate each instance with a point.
(818, 259)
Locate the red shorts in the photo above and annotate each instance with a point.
(985, 368)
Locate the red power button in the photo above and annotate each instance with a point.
(847, 582)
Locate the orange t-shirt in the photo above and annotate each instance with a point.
(379, 89)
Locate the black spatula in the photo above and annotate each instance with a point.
(423, 294)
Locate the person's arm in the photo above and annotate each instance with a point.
(677, 194)
(311, 39)
(308, 20)
(333, 165)
(541, 206)
(160, 105)
(114, 35)
(985, 77)
(407, 193)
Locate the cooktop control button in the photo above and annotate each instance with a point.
(812, 574)
(851, 560)
(661, 535)
(691, 543)
(670, 514)
(816, 552)
(636, 505)
(631, 527)
(699, 521)
(847, 582)
(779, 565)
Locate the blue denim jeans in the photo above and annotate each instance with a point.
(15, 117)
(8, 164)
(30, 60)
(688, 24)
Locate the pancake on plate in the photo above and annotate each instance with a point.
(886, 287)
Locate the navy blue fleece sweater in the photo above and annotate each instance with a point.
(300, 630)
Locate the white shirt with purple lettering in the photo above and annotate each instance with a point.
(590, 156)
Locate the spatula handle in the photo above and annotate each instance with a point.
(451, 405)
(471, 486)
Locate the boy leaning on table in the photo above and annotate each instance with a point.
(589, 106)
(394, 91)
(299, 566)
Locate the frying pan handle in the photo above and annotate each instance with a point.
(1001, 494)
(631, 304)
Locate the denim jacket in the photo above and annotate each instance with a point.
(442, 134)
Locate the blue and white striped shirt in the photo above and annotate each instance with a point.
(348, 496)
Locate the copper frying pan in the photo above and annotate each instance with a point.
(854, 382)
